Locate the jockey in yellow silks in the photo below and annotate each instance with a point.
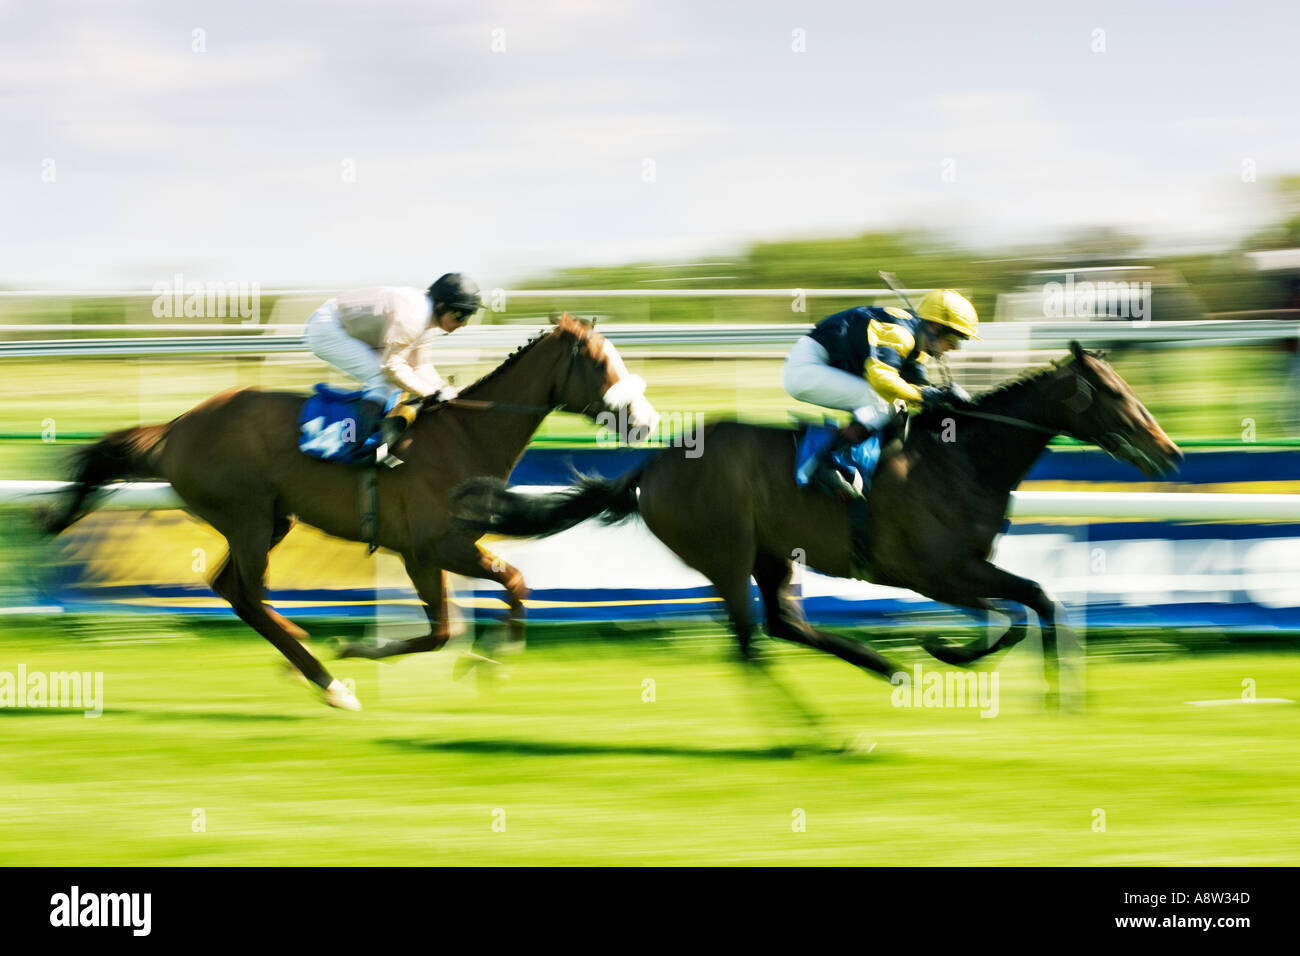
(865, 359)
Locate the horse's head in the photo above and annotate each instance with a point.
(1100, 408)
(597, 382)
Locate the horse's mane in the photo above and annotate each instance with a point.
(1024, 379)
(509, 360)
(565, 323)
(930, 421)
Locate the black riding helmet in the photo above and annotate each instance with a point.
(455, 292)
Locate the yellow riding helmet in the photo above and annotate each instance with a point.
(949, 307)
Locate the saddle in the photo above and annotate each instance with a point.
(341, 426)
(857, 462)
(858, 465)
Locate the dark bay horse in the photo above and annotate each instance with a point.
(936, 505)
(234, 461)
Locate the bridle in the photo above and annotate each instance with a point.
(575, 350)
(1111, 442)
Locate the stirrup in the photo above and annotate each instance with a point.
(390, 433)
(827, 475)
(829, 480)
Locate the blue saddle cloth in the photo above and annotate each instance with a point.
(331, 425)
(858, 462)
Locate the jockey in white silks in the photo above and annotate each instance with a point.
(374, 336)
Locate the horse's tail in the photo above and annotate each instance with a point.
(129, 453)
(484, 505)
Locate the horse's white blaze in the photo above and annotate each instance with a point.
(628, 391)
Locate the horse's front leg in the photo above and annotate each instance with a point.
(978, 586)
(430, 585)
(965, 654)
(461, 555)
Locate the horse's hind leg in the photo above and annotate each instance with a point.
(242, 584)
(283, 525)
(226, 580)
(728, 568)
(785, 619)
(719, 543)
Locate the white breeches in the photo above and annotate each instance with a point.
(809, 377)
(326, 337)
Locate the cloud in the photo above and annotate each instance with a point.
(231, 162)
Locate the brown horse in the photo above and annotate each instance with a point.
(234, 461)
(937, 502)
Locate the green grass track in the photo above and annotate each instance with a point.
(205, 754)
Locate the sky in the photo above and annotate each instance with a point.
(331, 144)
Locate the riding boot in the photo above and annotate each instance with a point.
(391, 430)
(826, 476)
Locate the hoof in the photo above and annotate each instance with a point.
(953, 654)
(862, 744)
(467, 662)
(934, 645)
(336, 695)
(830, 482)
(371, 652)
(512, 644)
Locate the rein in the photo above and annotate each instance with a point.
(990, 416)
(1005, 420)
(482, 406)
